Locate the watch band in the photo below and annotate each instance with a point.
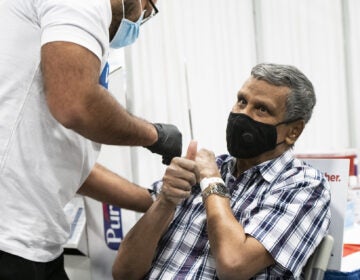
(215, 188)
(204, 183)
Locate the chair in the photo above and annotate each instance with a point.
(317, 264)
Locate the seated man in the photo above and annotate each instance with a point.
(258, 213)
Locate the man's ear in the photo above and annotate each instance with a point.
(295, 129)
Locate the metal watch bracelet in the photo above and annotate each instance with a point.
(215, 188)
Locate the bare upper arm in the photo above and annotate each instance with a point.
(70, 73)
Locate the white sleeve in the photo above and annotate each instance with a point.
(84, 22)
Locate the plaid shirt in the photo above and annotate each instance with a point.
(283, 203)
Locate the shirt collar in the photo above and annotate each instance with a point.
(269, 170)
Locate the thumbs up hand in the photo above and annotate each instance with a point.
(180, 176)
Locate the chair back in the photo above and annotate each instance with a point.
(318, 262)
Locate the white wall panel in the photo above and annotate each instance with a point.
(220, 54)
(309, 35)
(351, 20)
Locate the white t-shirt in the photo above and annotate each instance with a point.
(42, 164)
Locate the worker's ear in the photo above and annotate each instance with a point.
(295, 130)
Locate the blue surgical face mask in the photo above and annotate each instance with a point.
(127, 32)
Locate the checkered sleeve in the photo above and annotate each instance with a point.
(293, 218)
(155, 189)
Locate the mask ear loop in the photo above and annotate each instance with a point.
(142, 11)
(123, 6)
(286, 122)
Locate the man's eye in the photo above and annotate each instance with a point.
(241, 101)
(263, 109)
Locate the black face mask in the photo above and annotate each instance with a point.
(247, 138)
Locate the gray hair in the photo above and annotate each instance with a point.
(301, 99)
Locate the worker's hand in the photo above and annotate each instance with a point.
(206, 164)
(179, 177)
(169, 143)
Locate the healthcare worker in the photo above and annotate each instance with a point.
(54, 113)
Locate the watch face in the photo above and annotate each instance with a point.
(221, 189)
(217, 188)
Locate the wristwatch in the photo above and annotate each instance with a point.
(216, 188)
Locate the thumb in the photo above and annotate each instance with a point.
(191, 150)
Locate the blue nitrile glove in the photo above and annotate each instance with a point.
(169, 143)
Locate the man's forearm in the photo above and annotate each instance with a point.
(104, 120)
(106, 186)
(237, 255)
(138, 248)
